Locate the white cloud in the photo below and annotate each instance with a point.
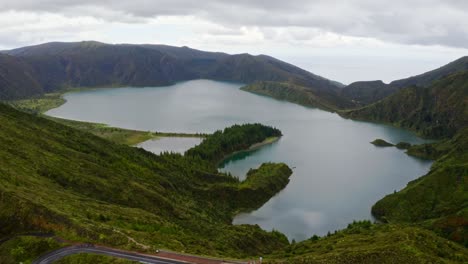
(335, 33)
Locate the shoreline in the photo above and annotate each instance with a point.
(253, 147)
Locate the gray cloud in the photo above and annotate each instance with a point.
(423, 22)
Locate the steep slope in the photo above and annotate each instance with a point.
(371, 91)
(365, 243)
(426, 79)
(439, 199)
(326, 99)
(57, 179)
(17, 79)
(439, 110)
(89, 64)
(84, 64)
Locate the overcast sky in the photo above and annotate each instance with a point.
(344, 40)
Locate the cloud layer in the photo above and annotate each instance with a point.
(422, 22)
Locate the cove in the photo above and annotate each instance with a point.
(337, 174)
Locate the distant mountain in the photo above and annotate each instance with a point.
(366, 92)
(426, 79)
(439, 110)
(17, 78)
(59, 65)
(371, 91)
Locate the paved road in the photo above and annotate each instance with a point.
(63, 252)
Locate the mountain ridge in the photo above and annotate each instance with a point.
(59, 65)
(367, 92)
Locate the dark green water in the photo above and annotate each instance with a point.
(338, 174)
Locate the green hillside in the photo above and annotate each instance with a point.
(439, 199)
(58, 65)
(439, 110)
(324, 99)
(84, 188)
(365, 243)
(367, 92)
(18, 79)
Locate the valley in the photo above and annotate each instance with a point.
(305, 187)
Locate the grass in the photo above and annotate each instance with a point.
(292, 93)
(87, 189)
(438, 200)
(25, 249)
(363, 242)
(41, 104)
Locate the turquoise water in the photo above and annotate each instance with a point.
(338, 175)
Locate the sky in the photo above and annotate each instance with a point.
(343, 40)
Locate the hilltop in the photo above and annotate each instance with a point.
(367, 92)
(59, 65)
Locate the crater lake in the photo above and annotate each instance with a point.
(337, 174)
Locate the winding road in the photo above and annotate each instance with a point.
(63, 252)
(165, 258)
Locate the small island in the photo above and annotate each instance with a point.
(381, 143)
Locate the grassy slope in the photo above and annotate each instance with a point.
(437, 111)
(25, 249)
(367, 92)
(304, 95)
(363, 242)
(85, 188)
(92, 64)
(438, 200)
(39, 105)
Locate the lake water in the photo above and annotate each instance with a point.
(338, 175)
(170, 144)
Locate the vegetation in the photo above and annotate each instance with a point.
(216, 147)
(381, 143)
(25, 249)
(438, 111)
(50, 67)
(118, 135)
(372, 91)
(39, 105)
(363, 242)
(307, 96)
(438, 200)
(428, 78)
(403, 145)
(84, 188)
(366, 92)
(17, 79)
